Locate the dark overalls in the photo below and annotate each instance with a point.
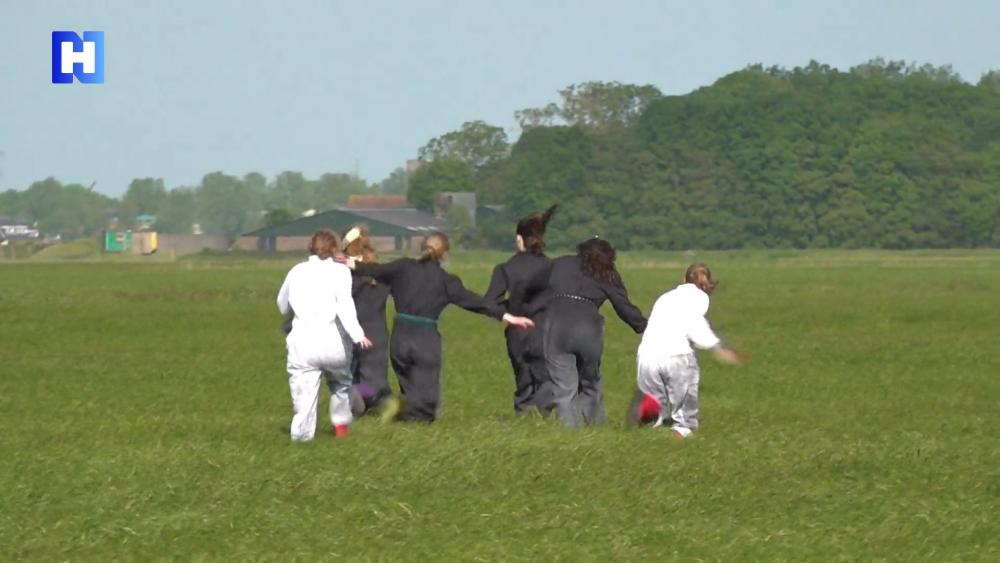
(420, 291)
(573, 339)
(371, 366)
(516, 285)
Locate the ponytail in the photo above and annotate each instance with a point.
(434, 247)
(701, 276)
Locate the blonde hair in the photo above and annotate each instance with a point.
(434, 247)
(701, 276)
(361, 245)
(324, 243)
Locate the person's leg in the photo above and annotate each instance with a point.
(524, 389)
(372, 371)
(591, 396)
(564, 380)
(683, 375)
(423, 393)
(565, 383)
(338, 380)
(650, 397)
(534, 357)
(304, 384)
(336, 363)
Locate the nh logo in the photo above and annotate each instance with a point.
(82, 58)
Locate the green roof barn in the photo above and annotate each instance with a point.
(390, 229)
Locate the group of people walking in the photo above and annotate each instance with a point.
(555, 335)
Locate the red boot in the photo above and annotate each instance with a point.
(649, 409)
(341, 430)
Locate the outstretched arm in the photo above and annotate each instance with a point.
(497, 291)
(346, 311)
(624, 308)
(384, 273)
(459, 295)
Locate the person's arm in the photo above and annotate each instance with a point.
(497, 291)
(384, 273)
(700, 334)
(347, 312)
(284, 307)
(459, 295)
(624, 308)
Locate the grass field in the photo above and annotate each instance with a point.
(144, 412)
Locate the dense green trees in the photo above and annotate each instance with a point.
(220, 203)
(886, 154)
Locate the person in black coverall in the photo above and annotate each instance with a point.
(421, 289)
(573, 339)
(516, 284)
(371, 366)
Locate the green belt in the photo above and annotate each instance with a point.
(415, 319)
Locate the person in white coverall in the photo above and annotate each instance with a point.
(324, 329)
(669, 375)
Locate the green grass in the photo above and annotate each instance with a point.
(144, 413)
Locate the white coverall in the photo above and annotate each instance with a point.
(668, 368)
(318, 293)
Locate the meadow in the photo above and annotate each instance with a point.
(144, 412)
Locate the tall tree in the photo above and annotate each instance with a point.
(179, 212)
(593, 105)
(439, 175)
(476, 143)
(397, 182)
(226, 205)
(144, 196)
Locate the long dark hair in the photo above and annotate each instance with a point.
(532, 229)
(597, 261)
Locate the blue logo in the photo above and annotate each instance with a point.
(82, 58)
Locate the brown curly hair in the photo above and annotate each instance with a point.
(701, 276)
(324, 243)
(597, 261)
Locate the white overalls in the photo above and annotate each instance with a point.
(318, 293)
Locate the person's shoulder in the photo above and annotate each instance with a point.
(298, 267)
(693, 294)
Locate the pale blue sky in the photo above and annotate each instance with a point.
(194, 87)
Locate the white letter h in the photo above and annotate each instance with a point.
(86, 57)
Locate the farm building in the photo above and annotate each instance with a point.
(391, 229)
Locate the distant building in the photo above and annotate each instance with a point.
(145, 222)
(446, 200)
(17, 229)
(397, 229)
(376, 201)
(412, 165)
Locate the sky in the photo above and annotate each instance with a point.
(193, 87)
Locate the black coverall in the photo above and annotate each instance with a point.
(573, 339)
(371, 366)
(517, 284)
(421, 290)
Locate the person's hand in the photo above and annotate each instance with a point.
(519, 322)
(728, 355)
(345, 260)
(365, 343)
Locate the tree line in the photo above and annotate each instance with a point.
(886, 154)
(219, 204)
